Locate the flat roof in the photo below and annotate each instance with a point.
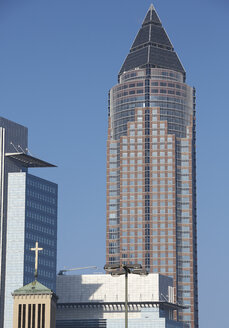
(26, 160)
(92, 304)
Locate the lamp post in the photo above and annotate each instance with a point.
(120, 269)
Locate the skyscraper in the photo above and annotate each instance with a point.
(151, 179)
(28, 214)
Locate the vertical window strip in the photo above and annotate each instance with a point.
(43, 315)
(19, 316)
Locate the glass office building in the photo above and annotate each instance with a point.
(151, 178)
(28, 214)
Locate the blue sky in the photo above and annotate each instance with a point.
(59, 58)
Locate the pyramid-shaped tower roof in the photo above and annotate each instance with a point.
(34, 287)
(152, 47)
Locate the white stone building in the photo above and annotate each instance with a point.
(97, 300)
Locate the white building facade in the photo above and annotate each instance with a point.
(98, 300)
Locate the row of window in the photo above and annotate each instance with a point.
(140, 240)
(140, 161)
(139, 255)
(154, 189)
(41, 273)
(140, 204)
(140, 140)
(159, 171)
(133, 233)
(154, 211)
(128, 99)
(41, 239)
(140, 211)
(113, 192)
(140, 154)
(40, 228)
(126, 93)
(153, 226)
(154, 248)
(169, 84)
(170, 92)
(41, 197)
(41, 218)
(156, 73)
(155, 146)
(142, 132)
(41, 261)
(41, 207)
(168, 99)
(139, 219)
(41, 186)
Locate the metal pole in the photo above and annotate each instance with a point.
(126, 298)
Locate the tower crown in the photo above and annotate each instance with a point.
(152, 47)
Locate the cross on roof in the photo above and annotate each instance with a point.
(36, 250)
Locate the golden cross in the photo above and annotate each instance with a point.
(36, 250)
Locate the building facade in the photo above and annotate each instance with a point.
(97, 300)
(151, 178)
(28, 214)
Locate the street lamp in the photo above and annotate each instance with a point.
(120, 269)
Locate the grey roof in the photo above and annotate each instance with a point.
(152, 47)
(26, 160)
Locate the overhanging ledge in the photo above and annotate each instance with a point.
(26, 160)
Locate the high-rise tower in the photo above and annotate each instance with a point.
(28, 213)
(151, 178)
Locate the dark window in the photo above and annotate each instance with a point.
(24, 313)
(132, 85)
(39, 316)
(43, 315)
(19, 316)
(140, 84)
(29, 316)
(34, 313)
(163, 84)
